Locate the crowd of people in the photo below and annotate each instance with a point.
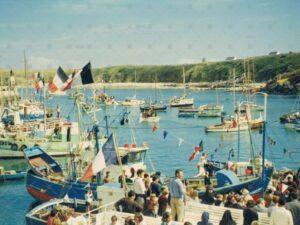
(151, 198)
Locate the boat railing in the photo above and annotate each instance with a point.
(193, 212)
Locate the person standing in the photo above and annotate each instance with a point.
(249, 213)
(227, 219)
(155, 186)
(294, 208)
(89, 198)
(58, 111)
(140, 188)
(208, 196)
(280, 215)
(127, 204)
(106, 178)
(204, 219)
(177, 193)
(163, 202)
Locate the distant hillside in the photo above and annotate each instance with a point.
(265, 68)
(287, 83)
(260, 68)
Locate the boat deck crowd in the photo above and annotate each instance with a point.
(149, 197)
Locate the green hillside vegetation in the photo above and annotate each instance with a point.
(264, 67)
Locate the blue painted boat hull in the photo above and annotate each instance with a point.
(43, 189)
(255, 186)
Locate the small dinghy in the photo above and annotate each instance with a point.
(7, 175)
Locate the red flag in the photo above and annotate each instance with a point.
(195, 153)
(154, 128)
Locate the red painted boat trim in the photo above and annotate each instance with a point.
(257, 196)
(38, 194)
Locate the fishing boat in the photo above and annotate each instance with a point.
(293, 124)
(292, 116)
(228, 126)
(7, 175)
(231, 178)
(186, 114)
(157, 106)
(104, 99)
(251, 105)
(210, 110)
(182, 101)
(51, 137)
(45, 179)
(133, 101)
(149, 116)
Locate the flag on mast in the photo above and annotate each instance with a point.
(84, 76)
(59, 81)
(104, 158)
(39, 83)
(196, 151)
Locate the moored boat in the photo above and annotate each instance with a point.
(45, 183)
(182, 101)
(7, 175)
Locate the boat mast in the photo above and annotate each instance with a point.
(119, 161)
(77, 101)
(239, 135)
(155, 101)
(26, 77)
(44, 104)
(96, 132)
(263, 152)
(183, 80)
(135, 83)
(234, 100)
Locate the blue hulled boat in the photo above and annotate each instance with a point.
(45, 179)
(11, 175)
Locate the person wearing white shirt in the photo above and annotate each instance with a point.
(140, 188)
(280, 215)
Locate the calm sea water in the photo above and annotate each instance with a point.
(166, 155)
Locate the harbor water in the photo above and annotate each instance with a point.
(181, 136)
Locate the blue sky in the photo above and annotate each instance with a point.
(115, 32)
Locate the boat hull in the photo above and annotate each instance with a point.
(181, 104)
(255, 186)
(16, 176)
(155, 108)
(43, 189)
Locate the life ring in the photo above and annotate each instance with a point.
(23, 147)
(14, 147)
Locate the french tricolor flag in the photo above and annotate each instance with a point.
(59, 81)
(104, 158)
(39, 85)
(84, 76)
